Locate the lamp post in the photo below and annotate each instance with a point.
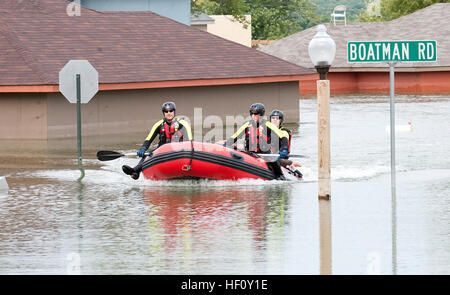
(322, 50)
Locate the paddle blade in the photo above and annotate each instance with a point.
(269, 157)
(108, 155)
(298, 156)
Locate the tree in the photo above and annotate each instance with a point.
(275, 19)
(386, 10)
(271, 19)
(236, 8)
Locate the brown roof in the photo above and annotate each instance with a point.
(37, 38)
(430, 23)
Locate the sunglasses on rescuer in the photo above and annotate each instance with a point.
(255, 113)
(168, 111)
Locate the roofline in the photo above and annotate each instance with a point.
(386, 69)
(202, 22)
(161, 84)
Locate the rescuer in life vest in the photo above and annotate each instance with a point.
(169, 129)
(261, 136)
(277, 118)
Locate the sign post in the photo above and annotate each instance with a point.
(75, 76)
(392, 121)
(80, 163)
(392, 52)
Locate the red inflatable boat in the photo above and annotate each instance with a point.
(201, 160)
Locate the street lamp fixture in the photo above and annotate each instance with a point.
(322, 50)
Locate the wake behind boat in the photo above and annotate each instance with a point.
(201, 160)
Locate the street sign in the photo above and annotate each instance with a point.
(88, 80)
(382, 51)
(78, 82)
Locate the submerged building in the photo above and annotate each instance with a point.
(142, 58)
(430, 23)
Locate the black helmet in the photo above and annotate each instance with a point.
(257, 108)
(279, 114)
(168, 106)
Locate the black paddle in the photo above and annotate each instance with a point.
(112, 155)
(277, 155)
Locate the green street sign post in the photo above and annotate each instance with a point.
(386, 51)
(392, 52)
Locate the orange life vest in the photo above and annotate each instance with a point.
(168, 132)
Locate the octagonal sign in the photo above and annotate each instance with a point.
(88, 80)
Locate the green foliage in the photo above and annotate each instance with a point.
(275, 19)
(392, 9)
(271, 19)
(236, 8)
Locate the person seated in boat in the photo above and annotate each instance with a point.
(169, 129)
(277, 118)
(261, 136)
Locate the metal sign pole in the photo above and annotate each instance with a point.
(71, 89)
(392, 103)
(80, 164)
(393, 184)
(402, 51)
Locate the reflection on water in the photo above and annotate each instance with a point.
(110, 224)
(325, 237)
(394, 231)
(195, 230)
(133, 229)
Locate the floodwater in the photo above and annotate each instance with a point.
(109, 224)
